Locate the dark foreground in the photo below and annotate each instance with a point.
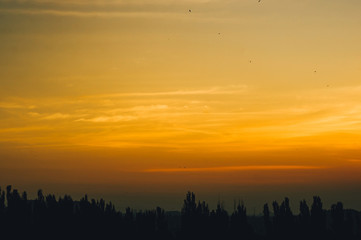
(49, 218)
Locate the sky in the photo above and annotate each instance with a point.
(140, 101)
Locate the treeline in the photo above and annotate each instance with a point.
(47, 217)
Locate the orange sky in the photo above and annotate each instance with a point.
(139, 97)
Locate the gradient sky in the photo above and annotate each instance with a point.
(139, 101)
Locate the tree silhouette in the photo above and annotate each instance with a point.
(189, 212)
(48, 217)
(304, 220)
(219, 221)
(267, 221)
(239, 227)
(318, 219)
(342, 223)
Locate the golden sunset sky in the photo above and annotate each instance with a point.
(148, 99)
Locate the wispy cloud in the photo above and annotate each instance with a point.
(104, 14)
(22, 129)
(150, 108)
(236, 168)
(56, 116)
(219, 118)
(14, 105)
(354, 160)
(113, 2)
(112, 119)
(207, 91)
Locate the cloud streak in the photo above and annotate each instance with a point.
(13, 105)
(56, 116)
(103, 14)
(210, 91)
(108, 119)
(219, 118)
(102, 3)
(236, 168)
